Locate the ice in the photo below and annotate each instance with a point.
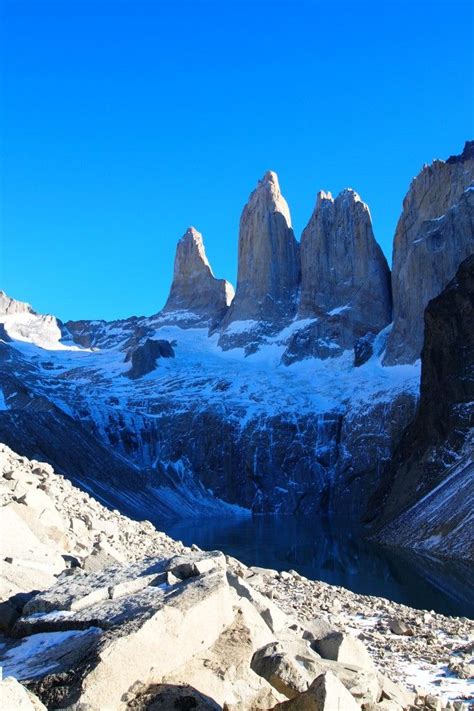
(34, 656)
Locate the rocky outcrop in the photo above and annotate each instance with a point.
(268, 258)
(144, 357)
(434, 234)
(15, 697)
(128, 618)
(10, 306)
(434, 462)
(342, 266)
(195, 292)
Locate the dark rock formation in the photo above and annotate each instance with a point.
(269, 267)
(144, 357)
(342, 266)
(195, 290)
(436, 448)
(434, 234)
(363, 349)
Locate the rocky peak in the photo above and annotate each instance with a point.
(10, 306)
(467, 154)
(195, 289)
(342, 266)
(434, 234)
(433, 461)
(268, 257)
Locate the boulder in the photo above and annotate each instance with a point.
(15, 697)
(167, 696)
(341, 647)
(276, 620)
(223, 672)
(395, 693)
(21, 547)
(400, 627)
(105, 631)
(326, 693)
(434, 235)
(288, 666)
(283, 672)
(196, 296)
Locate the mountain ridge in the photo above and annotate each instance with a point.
(276, 413)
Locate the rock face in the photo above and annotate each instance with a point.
(144, 357)
(434, 234)
(434, 462)
(195, 290)
(10, 306)
(268, 259)
(342, 266)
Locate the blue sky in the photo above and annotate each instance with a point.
(126, 121)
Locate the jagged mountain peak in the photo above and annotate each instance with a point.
(194, 289)
(343, 271)
(268, 259)
(190, 254)
(434, 234)
(10, 306)
(267, 195)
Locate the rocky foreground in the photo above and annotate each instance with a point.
(101, 612)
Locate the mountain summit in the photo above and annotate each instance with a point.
(195, 290)
(268, 259)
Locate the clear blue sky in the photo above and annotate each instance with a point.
(126, 121)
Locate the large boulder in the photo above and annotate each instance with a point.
(342, 266)
(15, 697)
(326, 693)
(196, 295)
(268, 259)
(285, 672)
(101, 633)
(342, 647)
(434, 234)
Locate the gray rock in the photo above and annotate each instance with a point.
(342, 266)
(144, 357)
(170, 696)
(276, 620)
(196, 296)
(394, 692)
(434, 234)
(285, 674)
(10, 306)
(15, 697)
(268, 259)
(363, 349)
(400, 627)
(118, 634)
(433, 462)
(342, 647)
(326, 693)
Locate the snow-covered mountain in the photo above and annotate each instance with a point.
(276, 401)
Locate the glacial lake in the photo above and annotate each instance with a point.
(335, 552)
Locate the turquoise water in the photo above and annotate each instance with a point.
(334, 551)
